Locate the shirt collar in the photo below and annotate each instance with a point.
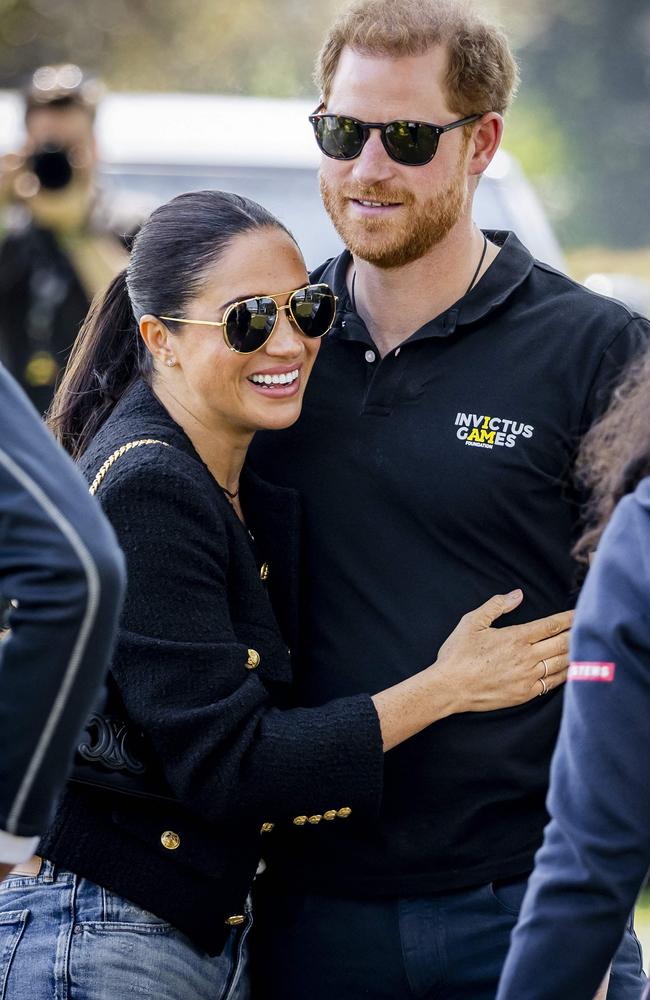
(506, 273)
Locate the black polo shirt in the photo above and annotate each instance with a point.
(432, 479)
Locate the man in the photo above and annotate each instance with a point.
(433, 457)
(62, 571)
(62, 243)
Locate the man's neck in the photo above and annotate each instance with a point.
(396, 302)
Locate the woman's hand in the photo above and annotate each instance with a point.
(479, 669)
(483, 668)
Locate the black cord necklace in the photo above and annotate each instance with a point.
(228, 493)
(469, 287)
(480, 265)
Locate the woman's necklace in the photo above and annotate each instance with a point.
(469, 287)
(230, 495)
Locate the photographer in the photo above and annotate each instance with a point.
(61, 244)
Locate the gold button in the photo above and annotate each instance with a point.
(235, 920)
(330, 814)
(315, 819)
(170, 840)
(300, 821)
(253, 659)
(266, 827)
(344, 812)
(264, 571)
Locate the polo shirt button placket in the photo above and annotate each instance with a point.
(370, 356)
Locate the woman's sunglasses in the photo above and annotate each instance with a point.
(413, 143)
(248, 325)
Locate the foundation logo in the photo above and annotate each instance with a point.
(490, 432)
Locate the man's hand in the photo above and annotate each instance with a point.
(4, 871)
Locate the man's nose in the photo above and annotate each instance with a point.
(373, 164)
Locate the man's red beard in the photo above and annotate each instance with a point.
(393, 242)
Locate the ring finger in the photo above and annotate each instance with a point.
(545, 684)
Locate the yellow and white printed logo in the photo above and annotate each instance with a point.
(490, 432)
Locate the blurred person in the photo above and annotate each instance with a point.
(63, 241)
(433, 458)
(196, 752)
(596, 850)
(63, 573)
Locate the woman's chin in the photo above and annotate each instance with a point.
(278, 414)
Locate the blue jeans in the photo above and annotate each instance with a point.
(447, 946)
(65, 938)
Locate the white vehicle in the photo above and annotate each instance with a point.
(159, 145)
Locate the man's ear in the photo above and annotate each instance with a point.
(485, 141)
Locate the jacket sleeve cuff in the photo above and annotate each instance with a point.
(14, 850)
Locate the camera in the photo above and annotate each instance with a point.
(51, 165)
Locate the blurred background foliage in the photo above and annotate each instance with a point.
(581, 124)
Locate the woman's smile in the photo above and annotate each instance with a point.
(277, 382)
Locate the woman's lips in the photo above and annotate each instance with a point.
(276, 383)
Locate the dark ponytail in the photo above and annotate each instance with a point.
(105, 360)
(171, 254)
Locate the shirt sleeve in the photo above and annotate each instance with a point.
(596, 849)
(226, 740)
(62, 571)
(627, 345)
(14, 850)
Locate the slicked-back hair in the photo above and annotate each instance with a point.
(171, 256)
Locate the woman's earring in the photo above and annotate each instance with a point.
(170, 362)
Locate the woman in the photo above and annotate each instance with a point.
(596, 851)
(208, 336)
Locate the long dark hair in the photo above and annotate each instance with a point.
(173, 250)
(615, 453)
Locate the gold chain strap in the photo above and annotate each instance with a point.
(97, 481)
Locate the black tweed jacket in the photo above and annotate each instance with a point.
(203, 670)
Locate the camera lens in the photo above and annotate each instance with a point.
(52, 167)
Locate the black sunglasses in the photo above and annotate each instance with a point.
(413, 143)
(249, 324)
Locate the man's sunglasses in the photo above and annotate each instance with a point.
(413, 143)
(248, 325)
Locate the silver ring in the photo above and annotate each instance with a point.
(544, 690)
(545, 674)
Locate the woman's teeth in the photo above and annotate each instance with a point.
(285, 379)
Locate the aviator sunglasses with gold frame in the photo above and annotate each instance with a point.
(249, 324)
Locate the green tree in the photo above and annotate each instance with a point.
(589, 61)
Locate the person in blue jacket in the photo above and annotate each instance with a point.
(62, 575)
(596, 850)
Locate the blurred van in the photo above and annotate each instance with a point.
(155, 146)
